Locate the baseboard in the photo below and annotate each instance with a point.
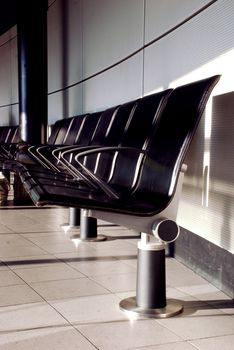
(208, 260)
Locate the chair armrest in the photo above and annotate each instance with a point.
(81, 169)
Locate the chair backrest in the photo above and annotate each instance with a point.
(59, 131)
(171, 139)
(137, 135)
(9, 134)
(109, 132)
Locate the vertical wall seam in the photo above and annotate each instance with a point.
(82, 53)
(143, 52)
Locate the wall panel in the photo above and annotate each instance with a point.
(201, 47)
(64, 58)
(8, 78)
(120, 84)
(163, 15)
(111, 31)
(196, 43)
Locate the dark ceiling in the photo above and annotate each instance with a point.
(8, 15)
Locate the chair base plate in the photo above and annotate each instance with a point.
(98, 238)
(173, 308)
(65, 227)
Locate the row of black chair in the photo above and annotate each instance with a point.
(125, 159)
(124, 165)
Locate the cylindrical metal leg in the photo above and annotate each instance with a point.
(151, 283)
(74, 217)
(88, 229)
(150, 300)
(73, 220)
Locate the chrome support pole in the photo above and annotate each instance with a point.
(150, 299)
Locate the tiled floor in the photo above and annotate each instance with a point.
(56, 295)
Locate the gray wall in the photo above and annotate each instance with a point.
(8, 78)
(88, 36)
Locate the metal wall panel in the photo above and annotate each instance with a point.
(201, 47)
(64, 59)
(8, 78)
(161, 15)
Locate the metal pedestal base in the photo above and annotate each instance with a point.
(74, 220)
(79, 237)
(172, 308)
(150, 299)
(66, 227)
(87, 226)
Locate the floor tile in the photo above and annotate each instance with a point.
(70, 288)
(20, 251)
(18, 294)
(205, 291)
(127, 335)
(202, 326)
(215, 343)
(224, 305)
(99, 268)
(8, 278)
(183, 277)
(5, 229)
(48, 273)
(98, 308)
(60, 247)
(117, 283)
(58, 338)
(47, 236)
(13, 240)
(28, 317)
(31, 261)
(175, 293)
(170, 346)
(118, 250)
(3, 266)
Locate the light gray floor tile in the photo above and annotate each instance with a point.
(171, 346)
(127, 335)
(32, 227)
(117, 283)
(47, 236)
(215, 343)
(8, 278)
(48, 273)
(98, 308)
(13, 240)
(31, 261)
(3, 266)
(19, 251)
(5, 229)
(57, 248)
(86, 255)
(71, 288)
(130, 260)
(18, 294)
(28, 317)
(206, 292)
(183, 277)
(201, 326)
(118, 250)
(224, 305)
(99, 268)
(174, 293)
(58, 338)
